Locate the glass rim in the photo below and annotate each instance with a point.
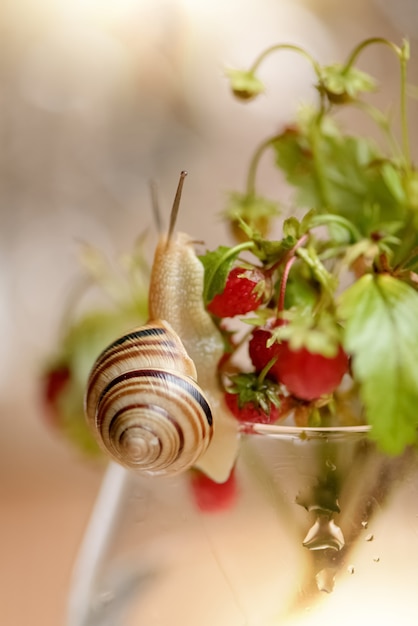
(303, 432)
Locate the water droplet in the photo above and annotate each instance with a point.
(370, 537)
(324, 534)
(350, 569)
(330, 465)
(365, 523)
(318, 498)
(325, 579)
(105, 598)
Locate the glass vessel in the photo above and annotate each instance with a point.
(318, 527)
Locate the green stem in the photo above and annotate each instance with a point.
(404, 114)
(283, 283)
(285, 46)
(260, 150)
(410, 258)
(408, 244)
(320, 171)
(403, 56)
(320, 272)
(290, 259)
(364, 44)
(254, 163)
(382, 122)
(330, 218)
(262, 375)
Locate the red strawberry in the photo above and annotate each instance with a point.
(305, 374)
(54, 382)
(252, 398)
(210, 496)
(251, 411)
(309, 375)
(259, 353)
(245, 290)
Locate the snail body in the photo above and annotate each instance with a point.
(153, 399)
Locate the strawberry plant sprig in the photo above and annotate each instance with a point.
(342, 310)
(85, 332)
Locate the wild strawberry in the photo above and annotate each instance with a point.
(245, 290)
(252, 398)
(53, 383)
(305, 374)
(309, 375)
(251, 411)
(210, 496)
(260, 354)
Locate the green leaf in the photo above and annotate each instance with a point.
(393, 180)
(217, 264)
(381, 333)
(300, 292)
(341, 175)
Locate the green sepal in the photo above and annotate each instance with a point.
(250, 211)
(244, 84)
(341, 84)
(251, 388)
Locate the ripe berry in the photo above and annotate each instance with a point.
(54, 382)
(309, 375)
(305, 374)
(210, 496)
(245, 290)
(251, 411)
(259, 353)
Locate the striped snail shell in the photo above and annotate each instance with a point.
(144, 404)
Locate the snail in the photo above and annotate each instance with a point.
(152, 398)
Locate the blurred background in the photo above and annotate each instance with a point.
(97, 97)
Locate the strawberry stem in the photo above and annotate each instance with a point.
(254, 163)
(283, 283)
(285, 46)
(290, 259)
(364, 44)
(403, 55)
(266, 370)
(332, 218)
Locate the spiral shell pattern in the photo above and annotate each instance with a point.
(144, 404)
